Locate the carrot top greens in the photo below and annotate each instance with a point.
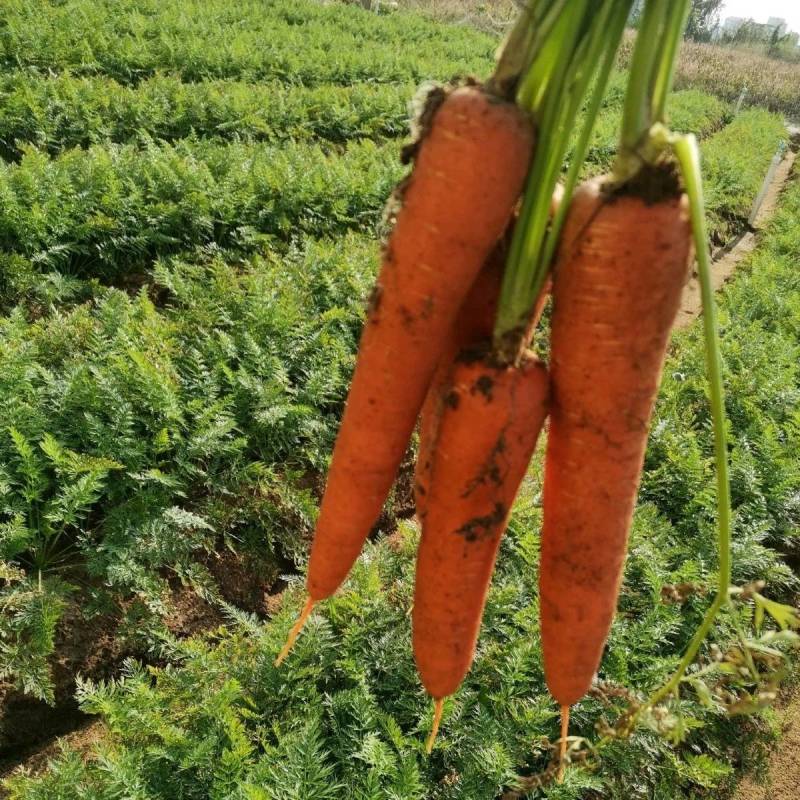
(572, 50)
(579, 51)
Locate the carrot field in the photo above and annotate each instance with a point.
(192, 199)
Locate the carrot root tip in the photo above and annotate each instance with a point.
(295, 631)
(438, 705)
(562, 752)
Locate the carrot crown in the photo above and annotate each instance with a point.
(644, 139)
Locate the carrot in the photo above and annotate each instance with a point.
(474, 323)
(470, 169)
(616, 290)
(487, 434)
(469, 172)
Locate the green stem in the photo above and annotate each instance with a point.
(586, 37)
(688, 156)
(689, 656)
(666, 68)
(523, 43)
(617, 27)
(531, 225)
(636, 118)
(553, 61)
(545, 24)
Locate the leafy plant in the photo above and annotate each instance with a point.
(58, 112)
(346, 708)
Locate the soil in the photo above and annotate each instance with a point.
(79, 740)
(31, 726)
(88, 646)
(782, 781)
(727, 260)
(190, 614)
(721, 272)
(245, 581)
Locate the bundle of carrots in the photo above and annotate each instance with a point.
(450, 322)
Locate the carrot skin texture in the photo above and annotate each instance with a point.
(487, 435)
(616, 291)
(473, 325)
(469, 172)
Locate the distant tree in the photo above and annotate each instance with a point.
(703, 18)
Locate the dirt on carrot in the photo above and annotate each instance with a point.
(616, 289)
(469, 171)
(486, 437)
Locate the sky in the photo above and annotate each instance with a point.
(760, 10)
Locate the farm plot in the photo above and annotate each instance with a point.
(110, 210)
(347, 711)
(190, 207)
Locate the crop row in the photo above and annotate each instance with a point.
(134, 436)
(346, 709)
(56, 113)
(689, 111)
(101, 211)
(104, 211)
(735, 163)
(735, 158)
(303, 42)
(310, 43)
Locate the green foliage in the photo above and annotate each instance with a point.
(30, 609)
(175, 428)
(57, 112)
(109, 210)
(187, 233)
(346, 708)
(693, 111)
(294, 41)
(47, 493)
(689, 111)
(735, 161)
(703, 19)
(102, 211)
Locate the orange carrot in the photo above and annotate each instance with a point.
(474, 324)
(617, 286)
(470, 168)
(487, 434)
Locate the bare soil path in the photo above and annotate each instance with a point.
(726, 264)
(782, 781)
